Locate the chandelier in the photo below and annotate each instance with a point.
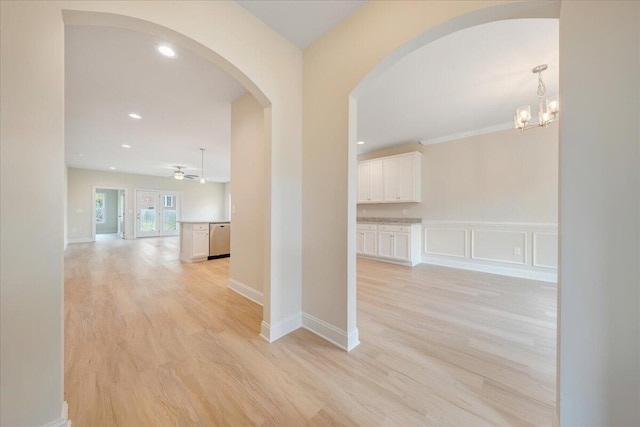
(549, 109)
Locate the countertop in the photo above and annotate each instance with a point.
(205, 222)
(381, 220)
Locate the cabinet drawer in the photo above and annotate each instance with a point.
(365, 227)
(199, 227)
(395, 228)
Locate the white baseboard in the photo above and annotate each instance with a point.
(246, 291)
(129, 237)
(281, 328)
(330, 333)
(81, 240)
(63, 421)
(503, 271)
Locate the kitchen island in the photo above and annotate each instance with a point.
(203, 240)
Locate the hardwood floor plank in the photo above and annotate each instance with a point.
(151, 341)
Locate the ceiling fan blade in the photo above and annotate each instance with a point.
(191, 176)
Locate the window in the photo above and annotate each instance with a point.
(168, 201)
(100, 208)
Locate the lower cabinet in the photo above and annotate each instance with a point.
(194, 241)
(399, 244)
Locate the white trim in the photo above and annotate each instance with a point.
(81, 240)
(336, 336)
(544, 276)
(505, 261)
(387, 260)
(63, 421)
(469, 133)
(129, 237)
(281, 328)
(246, 291)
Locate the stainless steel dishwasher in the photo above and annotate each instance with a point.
(219, 240)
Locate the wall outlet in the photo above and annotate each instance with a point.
(79, 210)
(404, 211)
(516, 251)
(364, 211)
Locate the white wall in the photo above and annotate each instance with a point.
(484, 198)
(32, 220)
(248, 194)
(33, 149)
(199, 202)
(599, 212)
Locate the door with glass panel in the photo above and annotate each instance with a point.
(170, 213)
(157, 213)
(147, 213)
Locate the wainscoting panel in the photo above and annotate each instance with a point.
(545, 250)
(499, 246)
(445, 241)
(513, 249)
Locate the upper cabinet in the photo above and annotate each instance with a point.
(370, 185)
(392, 179)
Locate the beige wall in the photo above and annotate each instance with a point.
(247, 193)
(504, 177)
(32, 87)
(199, 202)
(599, 213)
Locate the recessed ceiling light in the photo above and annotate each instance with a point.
(166, 51)
(126, 146)
(80, 154)
(360, 142)
(112, 167)
(135, 116)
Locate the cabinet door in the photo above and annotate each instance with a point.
(363, 183)
(402, 246)
(369, 243)
(200, 243)
(391, 170)
(405, 179)
(375, 181)
(385, 244)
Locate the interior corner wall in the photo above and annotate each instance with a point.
(600, 213)
(248, 195)
(32, 221)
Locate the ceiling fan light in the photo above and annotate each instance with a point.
(178, 174)
(202, 180)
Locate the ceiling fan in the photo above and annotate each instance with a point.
(179, 174)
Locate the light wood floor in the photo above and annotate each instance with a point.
(150, 341)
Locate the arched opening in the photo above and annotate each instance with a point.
(492, 14)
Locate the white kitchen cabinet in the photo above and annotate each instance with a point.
(391, 179)
(194, 241)
(366, 240)
(399, 244)
(370, 186)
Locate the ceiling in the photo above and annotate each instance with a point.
(302, 21)
(466, 83)
(185, 104)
